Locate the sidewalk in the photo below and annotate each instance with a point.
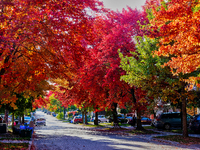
(151, 137)
(164, 133)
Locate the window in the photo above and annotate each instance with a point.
(176, 115)
(164, 116)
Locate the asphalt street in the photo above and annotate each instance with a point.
(58, 135)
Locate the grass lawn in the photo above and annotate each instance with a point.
(148, 127)
(180, 139)
(179, 131)
(124, 124)
(15, 146)
(65, 121)
(92, 125)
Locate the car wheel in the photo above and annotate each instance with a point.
(167, 126)
(99, 121)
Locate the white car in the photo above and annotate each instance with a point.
(102, 118)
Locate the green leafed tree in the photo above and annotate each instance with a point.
(146, 70)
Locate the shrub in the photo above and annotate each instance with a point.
(60, 115)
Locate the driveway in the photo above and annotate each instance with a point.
(58, 135)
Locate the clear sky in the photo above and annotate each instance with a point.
(120, 4)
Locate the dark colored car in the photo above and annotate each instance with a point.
(48, 113)
(1, 119)
(144, 121)
(40, 121)
(33, 118)
(122, 119)
(195, 124)
(110, 119)
(169, 119)
(53, 114)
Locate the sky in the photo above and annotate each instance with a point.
(120, 4)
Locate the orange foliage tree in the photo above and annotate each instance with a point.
(176, 24)
(41, 40)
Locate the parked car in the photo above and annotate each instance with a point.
(129, 118)
(144, 121)
(110, 119)
(33, 118)
(53, 114)
(27, 119)
(48, 113)
(1, 119)
(170, 119)
(122, 119)
(77, 119)
(92, 119)
(195, 124)
(101, 118)
(40, 121)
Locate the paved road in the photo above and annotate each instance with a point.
(58, 135)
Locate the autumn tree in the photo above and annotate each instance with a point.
(96, 82)
(101, 74)
(176, 25)
(145, 70)
(41, 40)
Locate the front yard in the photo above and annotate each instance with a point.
(10, 140)
(15, 146)
(180, 139)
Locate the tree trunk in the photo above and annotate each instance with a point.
(83, 116)
(86, 118)
(96, 119)
(181, 116)
(184, 118)
(115, 119)
(6, 115)
(138, 121)
(23, 118)
(19, 120)
(13, 121)
(139, 124)
(64, 111)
